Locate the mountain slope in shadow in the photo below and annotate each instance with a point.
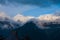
(31, 31)
(7, 30)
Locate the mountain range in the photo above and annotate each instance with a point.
(44, 27)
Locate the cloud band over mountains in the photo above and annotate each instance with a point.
(32, 2)
(46, 17)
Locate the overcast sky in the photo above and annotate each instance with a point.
(29, 7)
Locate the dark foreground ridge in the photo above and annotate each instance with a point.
(30, 31)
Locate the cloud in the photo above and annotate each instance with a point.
(3, 16)
(7, 22)
(42, 18)
(46, 18)
(32, 2)
(22, 18)
(49, 17)
(39, 21)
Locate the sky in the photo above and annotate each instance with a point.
(29, 7)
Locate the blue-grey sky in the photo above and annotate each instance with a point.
(29, 7)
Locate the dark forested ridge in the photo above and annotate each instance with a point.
(30, 31)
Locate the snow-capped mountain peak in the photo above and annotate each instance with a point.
(22, 18)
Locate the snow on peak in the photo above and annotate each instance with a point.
(39, 21)
(3, 16)
(48, 17)
(22, 18)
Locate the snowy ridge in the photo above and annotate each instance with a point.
(40, 20)
(46, 18)
(19, 20)
(22, 19)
